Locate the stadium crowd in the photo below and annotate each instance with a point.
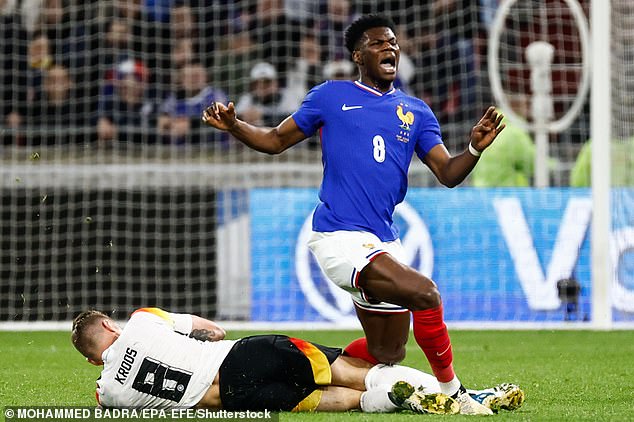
(141, 71)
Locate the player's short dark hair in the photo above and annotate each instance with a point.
(355, 31)
(81, 334)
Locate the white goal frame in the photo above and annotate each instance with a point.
(601, 128)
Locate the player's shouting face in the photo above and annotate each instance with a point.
(377, 56)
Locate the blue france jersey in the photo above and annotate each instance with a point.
(367, 140)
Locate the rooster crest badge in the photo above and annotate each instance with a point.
(406, 118)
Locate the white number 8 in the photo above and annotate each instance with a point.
(379, 148)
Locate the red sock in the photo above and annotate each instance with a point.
(431, 335)
(359, 349)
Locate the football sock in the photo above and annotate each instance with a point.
(452, 388)
(431, 335)
(377, 400)
(390, 374)
(359, 349)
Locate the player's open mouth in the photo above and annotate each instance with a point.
(388, 64)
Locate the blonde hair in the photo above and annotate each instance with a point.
(83, 331)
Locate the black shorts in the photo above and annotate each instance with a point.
(273, 372)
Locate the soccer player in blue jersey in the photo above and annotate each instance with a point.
(369, 132)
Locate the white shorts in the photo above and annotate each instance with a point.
(343, 254)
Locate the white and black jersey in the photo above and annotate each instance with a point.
(154, 364)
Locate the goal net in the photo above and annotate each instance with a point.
(621, 171)
(539, 66)
(115, 196)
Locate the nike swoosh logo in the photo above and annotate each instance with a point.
(346, 108)
(446, 350)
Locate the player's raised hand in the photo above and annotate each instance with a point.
(485, 131)
(220, 116)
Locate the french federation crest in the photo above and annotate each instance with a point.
(406, 119)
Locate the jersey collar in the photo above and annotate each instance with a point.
(372, 90)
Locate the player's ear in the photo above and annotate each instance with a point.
(356, 57)
(110, 325)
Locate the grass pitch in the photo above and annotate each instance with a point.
(567, 375)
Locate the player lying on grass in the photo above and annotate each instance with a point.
(164, 360)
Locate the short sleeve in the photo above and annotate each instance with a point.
(429, 134)
(181, 323)
(309, 116)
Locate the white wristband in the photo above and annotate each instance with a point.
(474, 151)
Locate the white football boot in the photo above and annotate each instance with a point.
(501, 397)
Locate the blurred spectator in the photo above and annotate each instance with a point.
(183, 43)
(144, 31)
(304, 12)
(39, 52)
(117, 41)
(340, 70)
(487, 12)
(39, 59)
(29, 12)
(406, 67)
(27, 85)
(146, 40)
(125, 112)
(233, 64)
(509, 161)
(158, 10)
(183, 52)
(419, 43)
(622, 164)
(74, 42)
(335, 19)
(306, 71)
(53, 117)
(272, 33)
(179, 47)
(266, 103)
(222, 13)
(113, 52)
(180, 114)
(457, 27)
(182, 22)
(13, 65)
(66, 28)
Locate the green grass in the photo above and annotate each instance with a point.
(567, 375)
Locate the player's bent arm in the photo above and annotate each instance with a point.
(271, 140)
(450, 171)
(206, 330)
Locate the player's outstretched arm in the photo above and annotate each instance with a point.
(452, 170)
(206, 330)
(271, 140)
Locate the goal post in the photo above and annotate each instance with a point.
(601, 129)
